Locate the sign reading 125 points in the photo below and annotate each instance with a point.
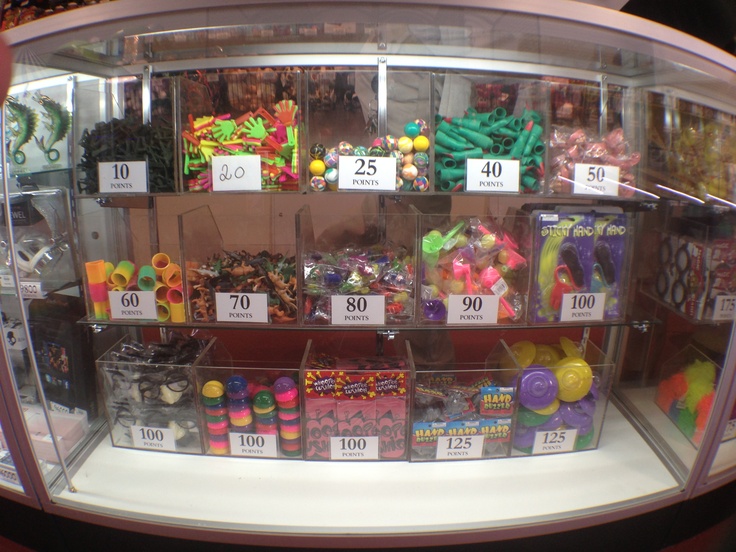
(596, 179)
(561, 440)
(492, 175)
(460, 447)
(232, 173)
(367, 173)
(582, 307)
(242, 307)
(123, 177)
(358, 310)
(132, 305)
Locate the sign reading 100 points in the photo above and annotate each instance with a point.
(367, 173)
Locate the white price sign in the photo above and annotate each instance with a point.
(359, 310)
(582, 307)
(153, 438)
(232, 173)
(492, 175)
(242, 307)
(367, 173)
(725, 307)
(123, 177)
(31, 290)
(561, 440)
(353, 448)
(472, 309)
(465, 447)
(132, 305)
(253, 445)
(7, 280)
(596, 179)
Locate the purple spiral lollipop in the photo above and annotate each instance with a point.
(538, 387)
(577, 414)
(555, 421)
(524, 436)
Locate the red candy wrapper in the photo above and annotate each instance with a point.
(321, 415)
(391, 420)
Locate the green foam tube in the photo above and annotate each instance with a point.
(475, 138)
(451, 174)
(467, 154)
(467, 122)
(533, 139)
(453, 144)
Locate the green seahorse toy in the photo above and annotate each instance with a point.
(57, 121)
(22, 125)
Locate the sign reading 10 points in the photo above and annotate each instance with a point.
(123, 177)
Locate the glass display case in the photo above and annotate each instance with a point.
(528, 247)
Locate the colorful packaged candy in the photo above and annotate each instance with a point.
(474, 257)
(376, 271)
(459, 404)
(356, 409)
(570, 147)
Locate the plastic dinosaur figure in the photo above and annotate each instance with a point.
(57, 121)
(22, 125)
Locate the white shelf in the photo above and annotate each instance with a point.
(374, 498)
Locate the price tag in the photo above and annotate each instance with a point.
(132, 305)
(123, 177)
(367, 173)
(596, 179)
(582, 307)
(492, 175)
(725, 307)
(242, 307)
(31, 290)
(562, 440)
(255, 445)
(472, 309)
(730, 431)
(464, 447)
(7, 280)
(153, 438)
(358, 310)
(232, 173)
(354, 448)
